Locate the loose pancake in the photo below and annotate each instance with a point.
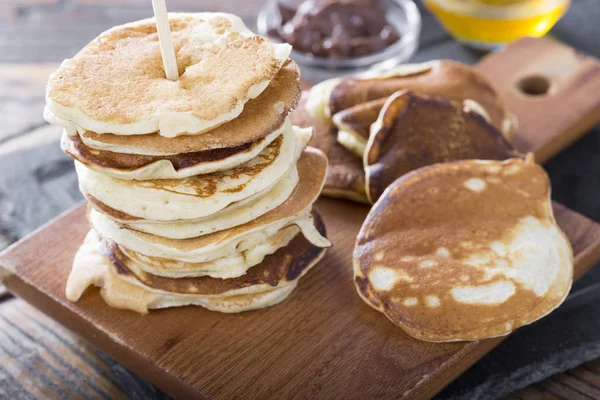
(354, 125)
(201, 195)
(413, 131)
(261, 117)
(464, 250)
(116, 84)
(179, 166)
(345, 176)
(120, 289)
(445, 79)
(232, 266)
(294, 211)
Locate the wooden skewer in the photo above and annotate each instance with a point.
(164, 37)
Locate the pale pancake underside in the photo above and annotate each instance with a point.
(122, 71)
(91, 267)
(164, 169)
(294, 211)
(230, 266)
(464, 251)
(201, 195)
(226, 219)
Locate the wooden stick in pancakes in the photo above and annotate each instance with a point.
(413, 131)
(267, 284)
(464, 250)
(222, 66)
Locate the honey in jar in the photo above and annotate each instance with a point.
(490, 24)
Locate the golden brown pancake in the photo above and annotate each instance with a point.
(464, 250)
(445, 79)
(358, 119)
(116, 83)
(312, 168)
(73, 146)
(285, 265)
(345, 176)
(259, 118)
(414, 131)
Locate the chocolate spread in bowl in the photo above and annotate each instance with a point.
(336, 29)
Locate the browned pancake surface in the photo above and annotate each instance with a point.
(312, 169)
(73, 146)
(417, 131)
(345, 176)
(285, 265)
(359, 118)
(446, 79)
(260, 117)
(424, 234)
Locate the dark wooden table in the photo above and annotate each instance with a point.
(41, 359)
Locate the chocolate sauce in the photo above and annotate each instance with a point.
(336, 29)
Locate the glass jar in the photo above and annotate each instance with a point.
(490, 24)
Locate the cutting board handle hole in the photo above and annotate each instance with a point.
(534, 85)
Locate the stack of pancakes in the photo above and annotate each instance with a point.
(374, 129)
(200, 191)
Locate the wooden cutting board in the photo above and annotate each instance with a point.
(323, 341)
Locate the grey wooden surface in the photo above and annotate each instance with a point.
(37, 182)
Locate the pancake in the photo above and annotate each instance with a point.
(448, 80)
(116, 83)
(226, 219)
(92, 267)
(179, 166)
(354, 125)
(282, 267)
(413, 131)
(261, 117)
(201, 195)
(345, 175)
(294, 211)
(464, 250)
(231, 266)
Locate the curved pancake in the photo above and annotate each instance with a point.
(464, 250)
(445, 79)
(116, 83)
(231, 266)
(91, 267)
(354, 124)
(413, 131)
(294, 211)
(179, 166)
(285, 266)
(345, 176)
(201, 195)
(261, 117)
(226, 219)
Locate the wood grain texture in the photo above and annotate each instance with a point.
(313, 345)
(550, 121)
(55, 29)
(39, 359)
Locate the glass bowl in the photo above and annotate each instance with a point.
(403, 15)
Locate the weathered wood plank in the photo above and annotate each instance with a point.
(41, 359)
